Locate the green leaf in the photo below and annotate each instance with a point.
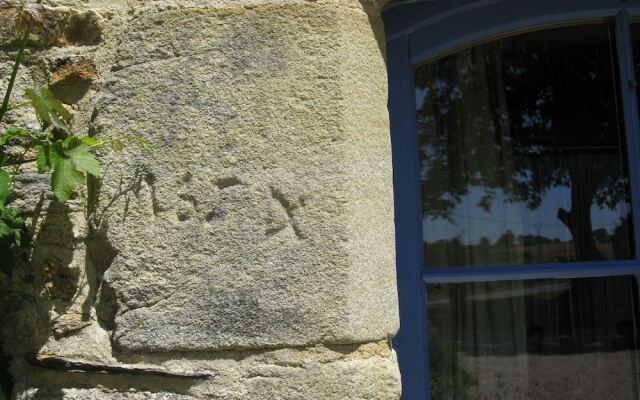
(91, 142)
(70, 160)
(65, 179)
(84, 160)
(5, 187)
(48, 155)
(11, 224)
(12, 133)
(42, 160)
(50, 110)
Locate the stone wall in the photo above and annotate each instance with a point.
(248, 254)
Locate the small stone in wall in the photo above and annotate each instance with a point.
(71, 79)
(83, 28)
(69, 323)
(61, 26)
(61, 281)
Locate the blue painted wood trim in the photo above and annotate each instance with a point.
(631, 121)
(477, 24)
(405, 19)
(531, 271)
(411, 341)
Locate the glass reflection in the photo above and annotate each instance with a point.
(522, 151)
(543, 339)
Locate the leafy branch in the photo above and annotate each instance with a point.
(54, 147)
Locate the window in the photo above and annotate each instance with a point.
(516, 143)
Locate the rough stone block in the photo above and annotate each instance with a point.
(262, 216)
(340, 372)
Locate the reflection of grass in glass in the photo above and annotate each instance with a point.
(449, 380)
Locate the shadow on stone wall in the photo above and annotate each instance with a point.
(373, 9)
(100, 253)
(49, 290)
(35, 279)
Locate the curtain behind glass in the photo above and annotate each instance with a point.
(535, 340)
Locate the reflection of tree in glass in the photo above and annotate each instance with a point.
(521, 116)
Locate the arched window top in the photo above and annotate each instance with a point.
(437, 27)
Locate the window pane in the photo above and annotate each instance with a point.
(542, 339)
(523, 152)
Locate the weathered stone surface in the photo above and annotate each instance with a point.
(46, 289)
(69, 323)
(61, 26)
(261, 221)
(341, 372)
(263, 215)
(23, 80)
(97, 394)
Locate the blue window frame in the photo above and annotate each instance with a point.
(420, 31)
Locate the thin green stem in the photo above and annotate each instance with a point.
(20, 162)
(15, 106)
(16, 168)
(14, 73)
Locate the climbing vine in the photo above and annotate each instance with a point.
(54, 147)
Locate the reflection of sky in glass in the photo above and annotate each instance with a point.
(421, 95)
(471, 222)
